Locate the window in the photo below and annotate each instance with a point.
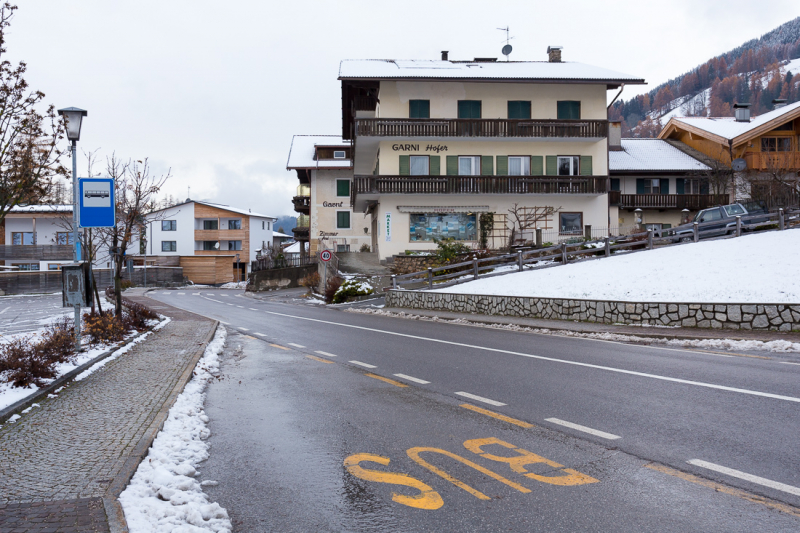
(234, 245)
(691, 186)
(776, 144)
(210, 224)
(210, 245)
(418, 165)
(343, 188)
(419, 109)
(519, 166)
(615, 184)
(709, 215)
(519, 109)
(469, 109)
(734, 210)
(342, 248)
(24, 238)
(568, 165)
(339, 154)
(343, 219)
(262, 224)
(429, 226)
(469, 165)
(570, 223)
(28, 266)
(569, 110)
(169, 246)
(652, 186)
(657, 227)
(51, 266)
(169, 225)
(65, 237)
(235, 224)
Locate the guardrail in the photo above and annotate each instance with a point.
(453, 274)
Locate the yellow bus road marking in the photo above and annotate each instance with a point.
(426, 499)
(387, 380)
(498, 416)
(279, 346)
(788, 509)
(320, 359)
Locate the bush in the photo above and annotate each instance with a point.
(364, 248)
(22, 365)
(331, 287)
(104, 328)
(125, 284)
(351, 288)
(138, 316)
(58, 341)
(449, 249)
(311, 281)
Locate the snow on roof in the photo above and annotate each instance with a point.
(294, 248)
(651, 154)
(729, 128)
(281, 235)
(531, 70)
(302, 152)
(43, 208)
(234, 209)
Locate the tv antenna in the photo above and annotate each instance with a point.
(507, 48)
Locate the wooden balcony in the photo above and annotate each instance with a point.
(692, 202)
(591, 185)
(220, 235)
(37, 252)
(773, 161)
(502, 128)
(302, 204)
(364, 103)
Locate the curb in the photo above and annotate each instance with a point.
(24, 403)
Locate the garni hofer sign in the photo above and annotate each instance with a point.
(96, 203)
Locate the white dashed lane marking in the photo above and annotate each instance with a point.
(295, 345)
(250, 308)
(365, 365)
(244, 329)
(260, 334)
(415, 380)
(595, 432)
(325, 353)
(747, 477)
(481, 399)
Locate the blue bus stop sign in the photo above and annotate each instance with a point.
(96, 207)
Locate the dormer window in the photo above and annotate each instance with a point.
(338, 154)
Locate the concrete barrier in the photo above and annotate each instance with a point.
(278, 278)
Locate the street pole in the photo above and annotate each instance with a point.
(75, 242)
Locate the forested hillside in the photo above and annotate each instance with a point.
(757, 72)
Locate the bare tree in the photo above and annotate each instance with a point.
(29, 154)
(528, 218)
(774, 182)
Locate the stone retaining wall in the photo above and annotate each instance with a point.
(782, 317)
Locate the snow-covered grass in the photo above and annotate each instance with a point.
(234, 285)
(776, 346)
(163, 495)
(759, 268)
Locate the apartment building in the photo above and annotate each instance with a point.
(37, 237)
(438, 143)
(214, 243)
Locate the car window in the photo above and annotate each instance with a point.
(711, 214)
(734, 209)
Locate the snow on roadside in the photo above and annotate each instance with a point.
(777, 346)
(163, 495)
(757, 268)
(234, 285)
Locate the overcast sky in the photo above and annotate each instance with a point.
(215, 90)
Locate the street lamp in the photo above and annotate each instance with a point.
(638, 216)
(74, 118)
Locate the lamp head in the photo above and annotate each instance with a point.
(74, 117)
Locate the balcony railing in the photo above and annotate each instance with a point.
(365, 103)
(458, 127)
(302, 204)
(479, 185)
(692, 202)
(773, 161)
(37, 252)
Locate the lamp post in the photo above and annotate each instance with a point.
(74, 118)
(638, 217)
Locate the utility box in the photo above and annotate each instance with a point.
(76, 280)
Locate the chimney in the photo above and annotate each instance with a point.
(742, 112)
(444, 55)
(615, 136)
(778, 102)
(554, 54)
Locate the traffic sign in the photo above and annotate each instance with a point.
(325, 255)
(97, 202)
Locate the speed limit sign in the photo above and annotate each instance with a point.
(325, 255)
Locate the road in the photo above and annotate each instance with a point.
(656, 438)
(28, 313)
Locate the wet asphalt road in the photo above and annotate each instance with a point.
(282, 435)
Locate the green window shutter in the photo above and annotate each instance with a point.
(434, 165)
(469, 109)
(513, 109)
(615, 184)
(569, 110)
(452, 165)
(552, 165)
(704, 188)
(537, 165)
(639, 186)
(586, 165)
(666, 226)
(419, 108)
(487, 165)
(680, 186)
(342, 187)
(343, 219)
(502, 165)
(405, 165)
(664, 185)
(519, 109)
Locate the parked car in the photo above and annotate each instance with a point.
(724, 218)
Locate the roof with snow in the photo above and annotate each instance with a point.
(728, 128)
(218, 206)
(294, 248)
(280, 235)
(302, 153)
(516, 70)
(41, 208)
(651, 154)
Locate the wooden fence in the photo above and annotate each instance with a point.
(49, 281)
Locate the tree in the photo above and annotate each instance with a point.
(29, 155)
(525, 219)
(773, 182)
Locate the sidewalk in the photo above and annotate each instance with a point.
(63, 464)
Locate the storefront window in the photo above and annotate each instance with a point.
(426, 227)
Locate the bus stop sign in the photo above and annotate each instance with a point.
(96, 207)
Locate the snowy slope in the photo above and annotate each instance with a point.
(759, 268)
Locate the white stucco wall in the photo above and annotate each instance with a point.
(260, 233)
(325, 204)
(183, 235)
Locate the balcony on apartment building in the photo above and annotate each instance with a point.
(433, 128)
(301, 231)
(302, 201)
(692, 202)
(36, 252)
